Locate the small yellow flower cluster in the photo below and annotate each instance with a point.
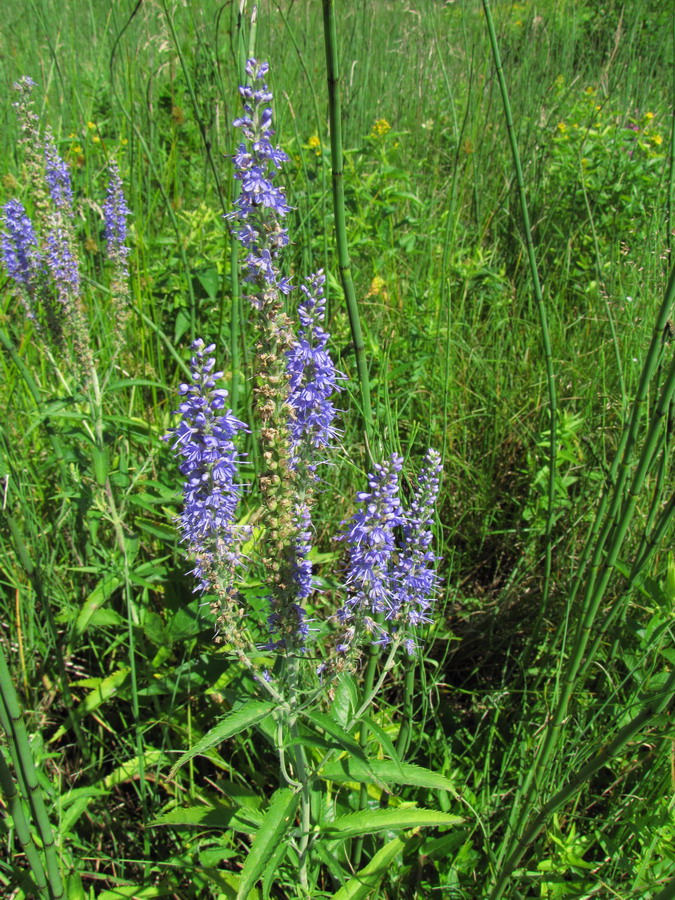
(380, 128)
(378, 288)
(314, 143)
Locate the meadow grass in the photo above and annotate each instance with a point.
(543, 690)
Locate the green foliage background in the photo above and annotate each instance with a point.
(455, 360)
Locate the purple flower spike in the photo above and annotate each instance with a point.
(57, 176)
(370, 537)
(313, 377)
(115, 212)
(261, 204)
(203, 439)
(20, 246)
(414, 576)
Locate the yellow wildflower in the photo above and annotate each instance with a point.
(656, 139)
(590, 90)
(96, 139)
(91, 125)
(380, 128)
(562, 127)
(649, 116)
(314, 142)
(377, 288)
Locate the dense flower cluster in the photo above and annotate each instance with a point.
(260, 204)
(414, 579)
(391, 577)
(313, 377)
(115, 212)
(371, 541)
(20, 246)
(203, 438)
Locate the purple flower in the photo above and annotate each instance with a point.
(313, 377)
(115, 212)
(370, 538)
(20, 246)
(203, 439)
(62, 264)
(414, 574)
(261, 203)
(391, 574)
(57, 176)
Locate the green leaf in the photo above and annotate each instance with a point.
(133, 892)
(272, 868)
(346, 700)
(385, 741)
(368, 878)
(344, 741)
(346, 770)
(220, 815)
(370, 821)
(100, 595)
(106, 689)
(238, 720)
(278, 819)
(128, 770)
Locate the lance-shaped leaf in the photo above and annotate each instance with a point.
(247, 715)
(277, 821)
(370, 821)
(364, 882)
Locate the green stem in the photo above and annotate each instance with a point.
(602, 758)
(603, 563)
(118, 527)
(671, 172)
(543, 317)
(22, 830)
(337, 165)
(19, 745)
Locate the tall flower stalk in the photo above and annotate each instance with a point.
(389, 579)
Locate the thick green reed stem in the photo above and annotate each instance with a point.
(619, 471)
(602, 564)
(330, 37)
(19, 748)
(671, 173)
(602, 758)
(22, 830)
(332, 71)
(541, 308)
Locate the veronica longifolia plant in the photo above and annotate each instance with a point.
(389, 579)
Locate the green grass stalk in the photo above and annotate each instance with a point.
(337, 166)
(602, 758)
(17, 737)
(541, 309)
(604, 559)
(16, 809)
